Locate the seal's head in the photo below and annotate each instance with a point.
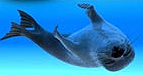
(116, 56)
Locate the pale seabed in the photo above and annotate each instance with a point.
(21, 57)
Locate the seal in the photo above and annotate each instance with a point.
(97, 44)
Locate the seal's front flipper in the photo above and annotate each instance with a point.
(16, 30)
(94, 17)
(69, 45)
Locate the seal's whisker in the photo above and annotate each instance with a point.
(135, 40)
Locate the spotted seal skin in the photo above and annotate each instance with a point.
(97, 44)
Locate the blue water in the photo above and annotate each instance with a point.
(19, 56)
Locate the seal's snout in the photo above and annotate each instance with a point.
(121, 56)
(117, 51)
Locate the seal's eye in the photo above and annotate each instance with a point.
(117, 52)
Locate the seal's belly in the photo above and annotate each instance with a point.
(93, 41)
(90, 41)
(92, 38)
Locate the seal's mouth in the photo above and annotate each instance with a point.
(117, 52)
(118, 58)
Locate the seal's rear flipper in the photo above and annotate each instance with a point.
(16, 30)
(28, 22)
(20, 30)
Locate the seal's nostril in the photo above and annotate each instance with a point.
(117, 52)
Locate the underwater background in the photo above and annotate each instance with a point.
(19, 56)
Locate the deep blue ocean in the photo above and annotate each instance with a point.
(19, 56)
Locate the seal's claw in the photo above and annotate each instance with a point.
(85, 6)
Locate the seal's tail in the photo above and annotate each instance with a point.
(20, 30)
(16, 30)
(27, 21)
